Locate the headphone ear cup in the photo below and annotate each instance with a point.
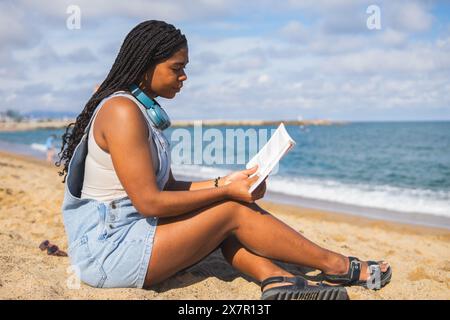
(159, 118)
(153, 115)
(153, 110)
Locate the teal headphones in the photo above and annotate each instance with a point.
(154, 111)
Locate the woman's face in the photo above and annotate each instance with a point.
(166, 78)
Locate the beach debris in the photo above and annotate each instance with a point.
(52, 249)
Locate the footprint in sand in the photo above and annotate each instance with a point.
(445, 266)
(339, 238)
(418, 274)
(363, 239)
(390, 252)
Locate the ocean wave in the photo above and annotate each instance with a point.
(38, 147)
(196, 171)
(372, 196)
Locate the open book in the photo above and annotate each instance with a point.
(269, 155)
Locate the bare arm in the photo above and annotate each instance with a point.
(178, 185)
(126, 134)
(173, 184)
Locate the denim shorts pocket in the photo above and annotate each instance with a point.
(88, 268)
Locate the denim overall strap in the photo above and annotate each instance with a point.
(76, 164)
(77, 211)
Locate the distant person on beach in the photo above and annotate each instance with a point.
(130, 223)
(50, 147)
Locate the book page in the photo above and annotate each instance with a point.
(270, 154)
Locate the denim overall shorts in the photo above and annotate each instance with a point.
(110, 244)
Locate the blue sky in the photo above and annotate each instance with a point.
(263, 59)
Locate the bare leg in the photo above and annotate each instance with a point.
(184, 240)
(260, 268)
(50, 154)
(257, 267)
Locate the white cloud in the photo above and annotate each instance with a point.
(294, 30)
(410, 16)
(12, 30)
(264, 78)
(392, 38)
(175, 10)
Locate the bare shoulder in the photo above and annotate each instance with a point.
(119, 115)
(120, 108)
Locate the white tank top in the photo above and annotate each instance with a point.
(100, 179)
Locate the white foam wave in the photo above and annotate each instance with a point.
(39, 147)
(372, 196)
(196, 171)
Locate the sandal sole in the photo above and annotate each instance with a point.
(310, 294)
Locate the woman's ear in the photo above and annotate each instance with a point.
(145, 80)
(143, 83)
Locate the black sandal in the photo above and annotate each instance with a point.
(300, 290)
(376, 280)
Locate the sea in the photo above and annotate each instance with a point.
(394, 171)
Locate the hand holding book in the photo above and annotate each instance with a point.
(270, 154)
(238, 190)
(247, 185)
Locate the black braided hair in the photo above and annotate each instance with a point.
(147, 44)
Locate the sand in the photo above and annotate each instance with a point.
(31, 193)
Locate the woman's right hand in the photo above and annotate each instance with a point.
(238, 190)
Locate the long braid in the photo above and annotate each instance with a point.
(145, 45)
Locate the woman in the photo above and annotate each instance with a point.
(131, 224)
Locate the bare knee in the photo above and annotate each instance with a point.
(242, 211)
(230, 211)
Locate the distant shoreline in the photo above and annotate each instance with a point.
(60, 124)
(33, 125)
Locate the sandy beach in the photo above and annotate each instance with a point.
(31, 193)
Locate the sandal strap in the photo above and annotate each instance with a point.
(353, 273)
(355, 269)
(278, 279)
(374, 267)
(374, 263)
